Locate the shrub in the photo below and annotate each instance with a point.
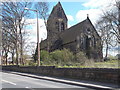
(81, 59)
(62, 57)
(30, 63)
(45, 57)
(56, 57)
(67, 55)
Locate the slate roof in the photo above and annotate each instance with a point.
(71, 33)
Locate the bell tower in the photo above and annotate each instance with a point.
(57, 21)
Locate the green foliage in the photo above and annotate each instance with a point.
(56, 57)
(81, 59)
(67, 55)
(106, 64)
(45, 57)
(66, 59)
(30, 63)
(62, 57)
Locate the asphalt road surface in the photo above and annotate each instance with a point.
(17, 81)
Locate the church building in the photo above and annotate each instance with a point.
(80, 37)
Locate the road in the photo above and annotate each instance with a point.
(10, 80)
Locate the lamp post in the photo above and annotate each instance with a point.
(38, 48)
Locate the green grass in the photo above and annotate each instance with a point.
(108, 64)
(105, 64)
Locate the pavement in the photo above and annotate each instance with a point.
(88, 84)
(14, 81)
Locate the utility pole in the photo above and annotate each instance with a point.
(38, 45)
(38, 39)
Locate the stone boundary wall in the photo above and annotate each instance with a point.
(107, 75)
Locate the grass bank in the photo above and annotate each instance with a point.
(105, 64)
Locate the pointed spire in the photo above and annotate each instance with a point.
(87, 16)
(59, 2)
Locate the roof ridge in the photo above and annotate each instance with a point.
(77, 24)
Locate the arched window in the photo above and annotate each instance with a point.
(62, 26)
(94, 42)
(78, 42)
(57, 26)
(88, 31)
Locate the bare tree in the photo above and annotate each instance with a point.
(113, 20)
(31, 48)
(0, 42)
(109, 27)
(107, 39)
(43, 8)
(13, 14)
(5, 46)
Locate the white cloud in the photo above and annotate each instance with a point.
(70, 17)
(69, 25)
(98, 3)
(33, 30)
(94, 14)
(95, 9)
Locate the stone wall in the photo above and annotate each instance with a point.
(106, 75)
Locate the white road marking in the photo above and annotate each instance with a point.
(26, 87)
(9, 82)
(29, 88)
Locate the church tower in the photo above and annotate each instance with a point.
(80, 37)
(57, 23)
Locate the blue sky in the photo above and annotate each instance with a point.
(70, 8)
(77, 11)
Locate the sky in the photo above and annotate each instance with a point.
(76, 12)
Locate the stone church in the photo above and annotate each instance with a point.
(80, 37)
